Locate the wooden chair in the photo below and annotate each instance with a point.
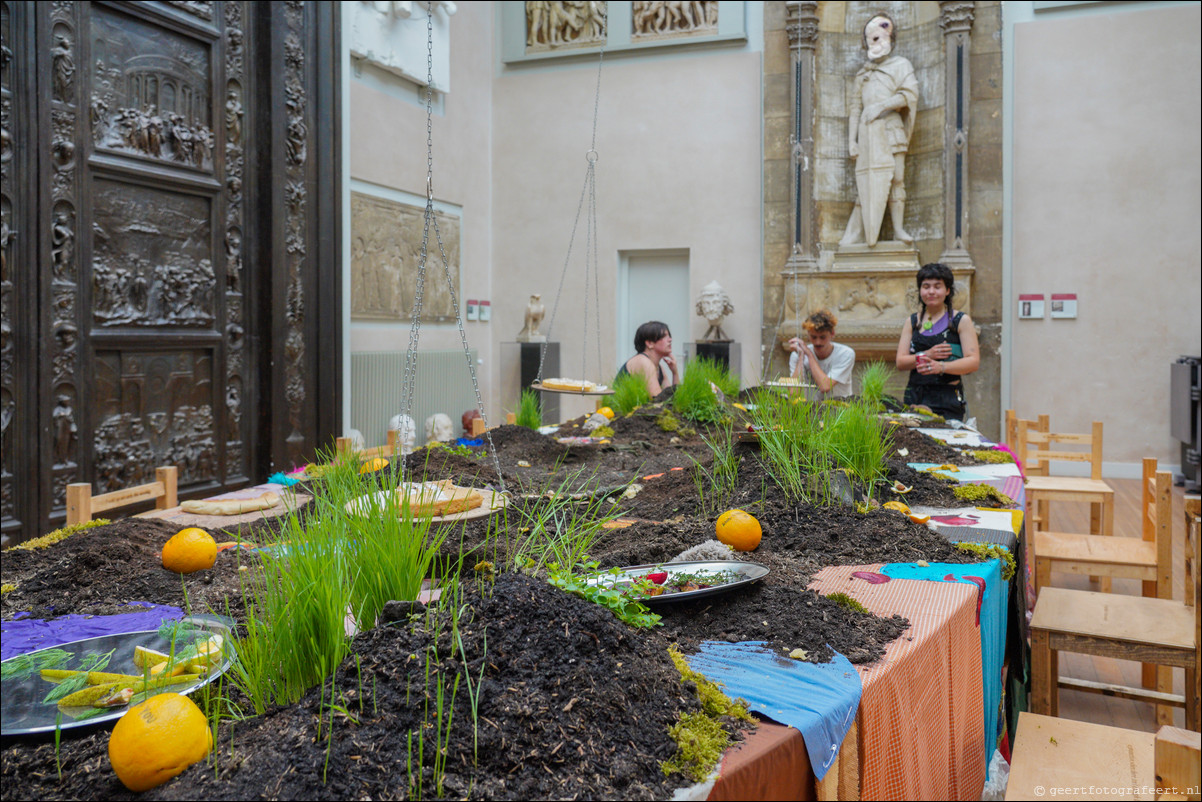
(82, 505)
(1055, 755)
(1158, 631)
(343, 447)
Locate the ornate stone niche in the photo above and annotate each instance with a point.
(871, 288)
(386, 242)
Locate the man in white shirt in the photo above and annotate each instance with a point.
(830, 364)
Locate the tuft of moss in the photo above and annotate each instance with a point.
(667, 421)
(6, 588)
(700, 738)
(991, 551)
(847, 601)
(992, 455)
(983, 493)
(603, 431)
(700, 743)
(60, 534)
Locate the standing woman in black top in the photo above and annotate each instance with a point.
(938, 345)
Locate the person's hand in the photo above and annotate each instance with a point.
(853, 149)
(930, 367)
(670, 359)
(794, 344)
(940, 351)
(871, 112)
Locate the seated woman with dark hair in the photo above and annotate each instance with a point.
(938, 345)
(653, 342)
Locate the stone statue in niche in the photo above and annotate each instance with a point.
(65, 429)
(714, 305)
(534, 317)
(406, 431)
(881, 112)
(440, 428)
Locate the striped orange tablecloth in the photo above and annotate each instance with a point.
(921, 725)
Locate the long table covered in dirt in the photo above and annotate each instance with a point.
(933, 708)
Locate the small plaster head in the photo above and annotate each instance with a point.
(439, 427)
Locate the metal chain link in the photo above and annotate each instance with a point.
(589, 190)
(429, 217)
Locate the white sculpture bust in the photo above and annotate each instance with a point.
(439, 427)
(535, 312)
(406, 430)
(357, 441)
(882, 107)
(714, 305)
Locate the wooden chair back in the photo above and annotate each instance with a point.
(1158, 524)
(1019, 444)
(1178, 762)
(343, 447)
(1039, 448)
(1011, 429)
(82, 505)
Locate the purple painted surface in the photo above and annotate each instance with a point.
(25, 634)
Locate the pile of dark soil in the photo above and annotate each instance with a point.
(570, 703)
(99, 571)
(928, 489)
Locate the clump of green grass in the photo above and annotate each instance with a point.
(717, 483)
(695, 399)
(530, 410)
(874, 379)
(788, 431)
(860, 442)
(629, 393)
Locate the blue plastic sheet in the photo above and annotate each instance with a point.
(22, 635)
(819, 700)
(991, 610)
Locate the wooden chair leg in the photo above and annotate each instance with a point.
(1163, 682)
(169, 476)
(1193, 701)
(1043, 574)
(79, 503)
(1044, 675)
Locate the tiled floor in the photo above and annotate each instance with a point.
(1066, 517)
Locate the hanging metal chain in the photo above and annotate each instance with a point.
(431, 219)
(589, 190)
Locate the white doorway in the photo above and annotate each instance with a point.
(652, 285)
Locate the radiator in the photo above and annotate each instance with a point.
(443, 384)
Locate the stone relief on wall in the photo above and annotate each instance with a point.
(158, 411)
(386, 240)
(151, 260)
(656, 18)
(553, 25)
(150, 94)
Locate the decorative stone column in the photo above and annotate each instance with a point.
(955, 18)
(802, 29)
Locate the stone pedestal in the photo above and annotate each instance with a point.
(527, 356)
(888, 255)
(725, 352)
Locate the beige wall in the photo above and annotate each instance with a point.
(388, 148)
(1106, 204)
(678, 168)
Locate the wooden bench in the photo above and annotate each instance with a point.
(82, 505)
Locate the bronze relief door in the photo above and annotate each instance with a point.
(140, 328)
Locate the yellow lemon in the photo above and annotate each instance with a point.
(739, 530)
(158, 739)
(190, 550)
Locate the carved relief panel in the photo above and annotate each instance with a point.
(656, 20)
(557, 25)
(155, 408)
(151, 94)
(386, 241)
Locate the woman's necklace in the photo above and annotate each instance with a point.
(929, 323)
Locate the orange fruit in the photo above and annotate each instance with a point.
(606, 411)
(189, 550)
(920, 519)
(739, 530)
(156, 740)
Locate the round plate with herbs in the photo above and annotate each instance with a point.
(659, 583)
(102, 674)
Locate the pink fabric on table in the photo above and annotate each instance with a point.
(921, 722)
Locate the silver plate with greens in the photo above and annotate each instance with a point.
(680, 581)
(25, 710)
